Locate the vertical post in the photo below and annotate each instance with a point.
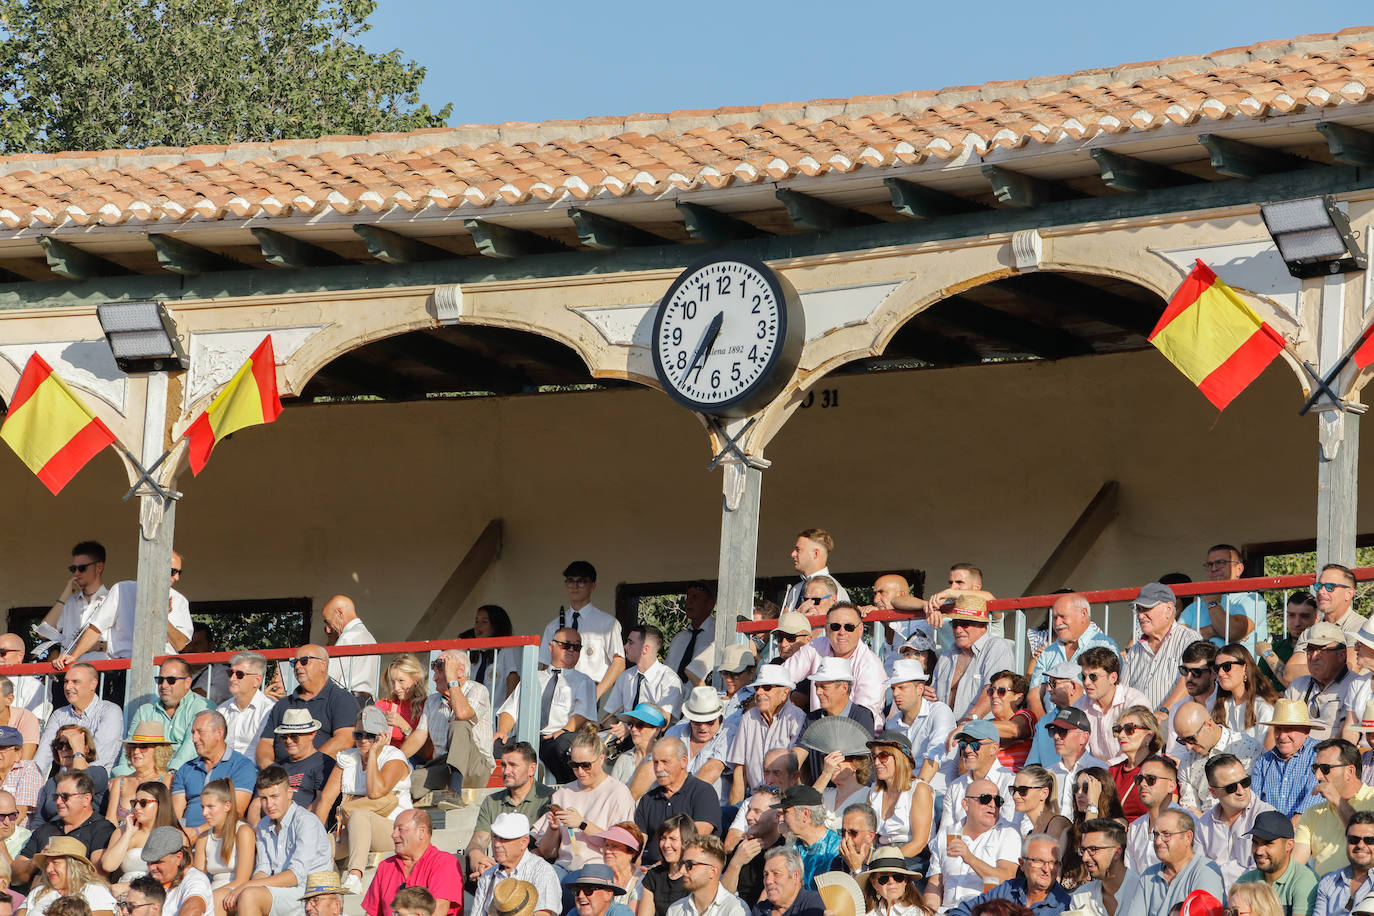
(527, 726)
(157, 523)
(1338, 434)
(1020, 642)
(739, 544)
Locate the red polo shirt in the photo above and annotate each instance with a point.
(436, 871)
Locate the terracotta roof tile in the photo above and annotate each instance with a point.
(471, 167)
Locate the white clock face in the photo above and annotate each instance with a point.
(719, 334)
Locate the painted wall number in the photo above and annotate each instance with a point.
(828, 397)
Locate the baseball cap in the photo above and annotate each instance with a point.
(1324, 633)
(510, 825)
(804, 796)
(1072, 717)
(10, 737)
(738, 657)
(1271, 825)
(1153, 594)
(794, 624)
(981, 729)
(1065, 671)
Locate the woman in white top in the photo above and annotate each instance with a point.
(844, 780)
(373, 777)
(61, 869)
(150, 808)
(227, 849)
(905, 805)
(1245, 697)
(890, 885)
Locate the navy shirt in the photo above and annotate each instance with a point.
(308, 777)
(696, 799)
(1014, 889)
(333, 707)
(808, 903)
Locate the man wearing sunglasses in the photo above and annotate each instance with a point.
(1063, 688)
(702, 863)
(1157, 786)
(1224, 831)
(979, 853)
(567, 700)
(844, 638)
(1104, 698)
(82, 592)
(329, 704)
(175, 709)
(1070, 732)
(1337, 888)
(1181, 869)
(1271, 847)
(1102, 847)
(1334, 591)
(247, 706)
(966, 668)
(602, 656)
(1203, 739)
(1324, 688)
(976, 745)
(76, 818)
(1283, 774)
(1320, 836)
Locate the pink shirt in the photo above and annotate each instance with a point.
(867, 668)
(1102, 744)
(27, 723)
(605, 806)
(436, 871)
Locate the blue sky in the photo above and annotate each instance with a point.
(535, 60)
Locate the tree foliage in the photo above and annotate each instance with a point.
(127, 74)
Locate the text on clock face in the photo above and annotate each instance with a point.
(719, 331)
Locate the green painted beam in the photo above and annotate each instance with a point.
(1017, 189)
(916, 201)
(496, 241)
(606, 234)
(394, 248)
(1238, 159)
(714, 226)
(1348, 145)
(1127, 173)
(1026, 336)
(818, 215)
(284, 251)
(1334, 180)
(186, 259)
(66, 260)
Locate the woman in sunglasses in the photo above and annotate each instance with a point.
(889, 885)
(151, 807)
(72, 749)
(149, 753)
(1015, 723)
(1094, 796)
(1031, 792)
(1138, 734)
(905, 805)
(584, 807)
(1247, 698)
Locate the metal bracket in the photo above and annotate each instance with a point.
(732, 450)
(145, 475)
(1322, 386)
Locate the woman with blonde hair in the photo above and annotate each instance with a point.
(407, 681)
(149, 753)
(905, 806)
(844, 779)
(1031, 791)
(583, 807)
(1254, 898)
(227, 849)
(1138, 734)
(1245, 697)
(61, 869)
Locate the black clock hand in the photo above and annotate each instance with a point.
(708, 337)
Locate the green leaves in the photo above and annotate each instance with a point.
(128, 74)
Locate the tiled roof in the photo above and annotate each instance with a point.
(475, 168)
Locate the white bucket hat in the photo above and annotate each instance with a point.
(906, 669)
(703, 705)
(773, 676)
(833, 669)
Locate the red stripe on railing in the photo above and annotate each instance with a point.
(381, 648)
(1186, 590)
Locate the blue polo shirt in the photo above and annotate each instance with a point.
(191, 778)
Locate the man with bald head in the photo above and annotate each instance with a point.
(28, 689)
(457, 721)
(1202, 739)
(890, 591)
(982, 852)
(358, 674)
(333, 707)
(677, 792)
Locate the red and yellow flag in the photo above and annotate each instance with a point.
(50, 428)
(1214, 338)
(250, 398)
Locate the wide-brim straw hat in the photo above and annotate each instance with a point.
(319, 883)
(61, 846)
(887, 859)
(969, 606)
(1366, 723)
(703, 705)
(513, 897)
(1292, 713)
(297, 721)
(148, 733)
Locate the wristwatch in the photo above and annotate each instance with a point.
(452, 684)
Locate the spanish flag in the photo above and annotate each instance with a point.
(50, 428)
(250, 398)
(1214, 338)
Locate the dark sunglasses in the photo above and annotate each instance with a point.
(987, 799)
(1149, 779)
(999, 691)
(1238, 784)
(79, 567)
(305, 659)
(68, 796)
(144, 802)
(1129, 729)
(171, 678)
(787, 637)
(176, 571)
(816, 599)
(1226, 666)
(1325, 769)
(1057, 731)
(1360, 840)
(852, 833)
(1023, 791)
(570, 646)
(7, 816)
(970, 744)
(62, 744)
(580, 765)
(236, 674)
(1328, 586)
(1093, 677)
(889, 878)
(1188, 671)
(847, 627)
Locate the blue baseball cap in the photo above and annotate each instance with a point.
(982, 729)
(647, 713)
(10, 737)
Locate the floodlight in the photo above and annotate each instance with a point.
(142, 336)
(1313, 237)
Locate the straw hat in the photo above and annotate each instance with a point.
(61, 846)
(1366, 723)
(320, 883)
(513, 897)
(703, 705)
(889, 860)
(297, 721)
(148, 733)
(1292, 713)
(841, 893)
(970, 607)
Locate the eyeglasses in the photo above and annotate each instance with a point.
(236, 674)
(1226, 666)
(889, 878)
(127, 907)
(1149, 779)
(306, 659)
(1091, 850)
(847, 627)
(144, 802)
(171, 678)
(816, 599)
(1043, 863)
(79, 567)
(1324, 769)
(969, 744)
(1188, 671)
(68, 796)
(577, 580)
(7, 816)
(570, 646)
(1360, 840)
(999, 691)
(1217, 564)
(1329, 586)
(987, 799)
(581, 764)
(176, 571)
(1023, 791)
(1128, 729)
(1231, 787)
(1163, 834)
(689, 864)
(1091, 677)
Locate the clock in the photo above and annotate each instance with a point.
(727, 336)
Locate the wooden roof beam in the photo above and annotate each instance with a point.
(66, 260)
(1238, 159)
(471, 369)
(1348, 145)
(916, 201)
(1060, 293)
(1026, 336)
(606, 234)
(818, 215)
(496, 241)
(189, 260)
(1127, 173)
(371, 378)
(292, 253)
(394, 248)
(711, 225)
(1017, 189)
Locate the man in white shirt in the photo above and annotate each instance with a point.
(457, 721)
(810, 557)
(567, 700)
(358, 674)
(1104, 697)
(1224, 831)
(927, 724)
(703, 861)
(697, 641)
(647, 681)
(602, 657)
(169, 861)
(976, 744)
(84, 588)
(1203, 739)
(247, 706)
(1070, 732)
(982, 852)
(510, 838)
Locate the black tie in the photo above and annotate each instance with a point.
(546, 702)
(639, 682)
(483, 659)
(688, 654)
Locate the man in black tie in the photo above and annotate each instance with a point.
(698, 639)
(602, 657)
(811, 557)
(567, 700)
(649, 681)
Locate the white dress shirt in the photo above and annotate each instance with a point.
(575, 694)
(797, 589)
(601, 640)
(1229, 847)
(356, 673)
(867, 668)
(1064, 777)
(953, 811)
(723, 904)
(704, 650)
(661, 687)
(928, 732)
(114, 619)
(1001, 843)
(245, 725)
(76, 612)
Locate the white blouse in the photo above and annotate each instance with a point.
(353, 775)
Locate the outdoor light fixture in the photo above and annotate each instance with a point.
(141, 335)
(1313, 236)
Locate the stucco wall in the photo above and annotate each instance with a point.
(911, 469)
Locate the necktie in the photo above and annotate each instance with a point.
(483, 659)
(688, 654)
(639, 682)
(546, 702)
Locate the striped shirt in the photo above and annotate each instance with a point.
(1154, 673)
